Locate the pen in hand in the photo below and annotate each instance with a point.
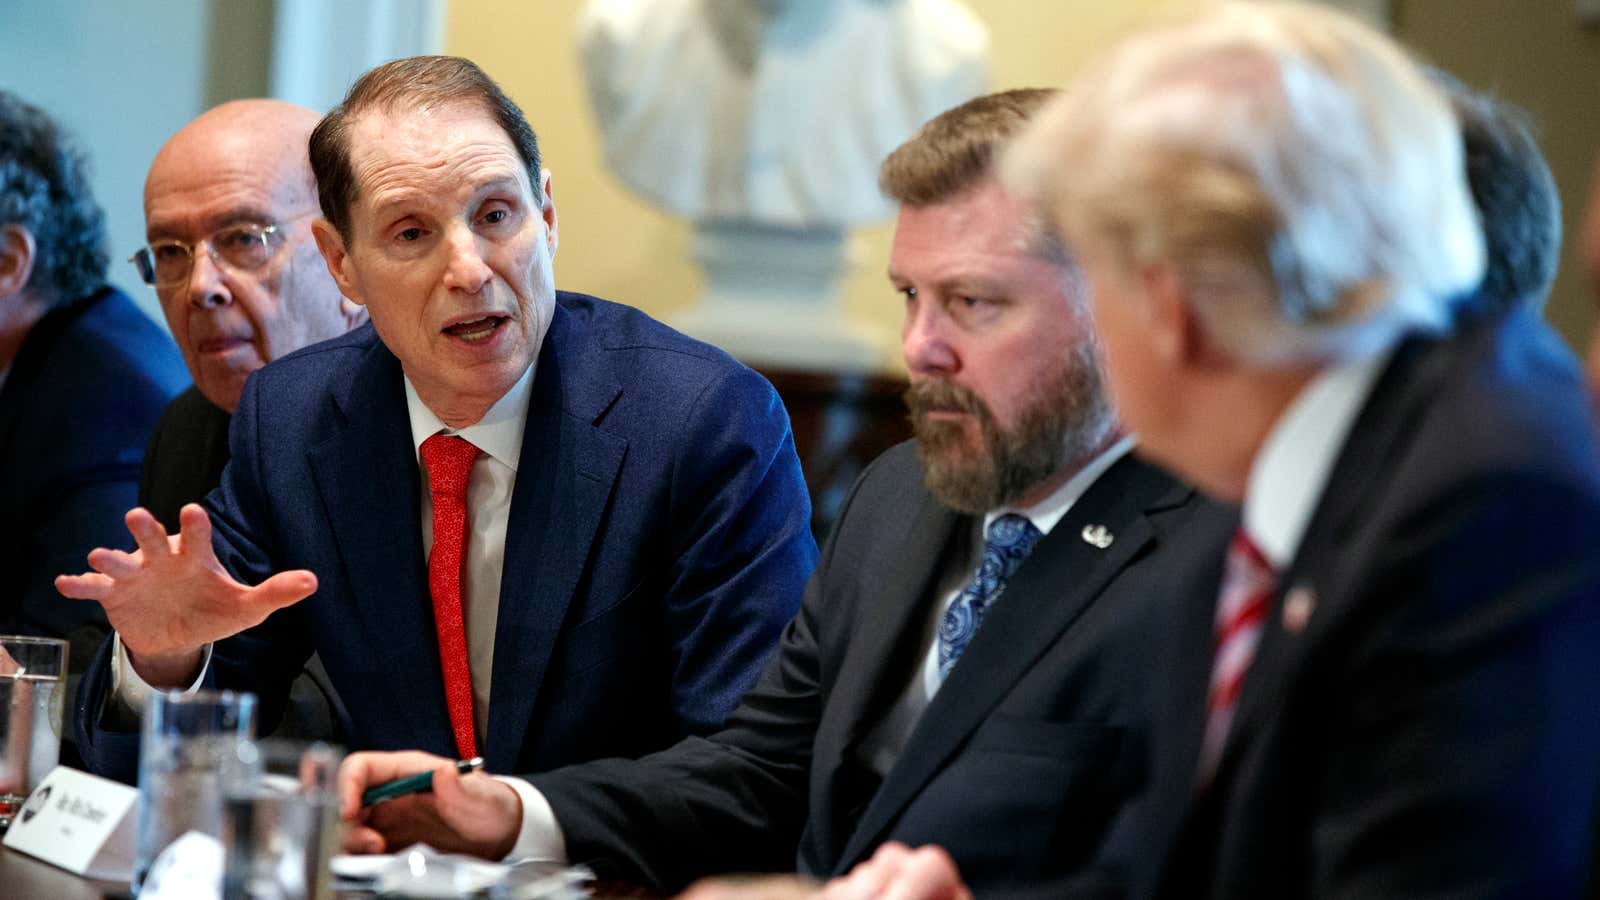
(420, 783)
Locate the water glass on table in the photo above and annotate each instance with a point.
(188, 741)
(33, 671)
(280, 820)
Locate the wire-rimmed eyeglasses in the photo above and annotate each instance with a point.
(244, 248)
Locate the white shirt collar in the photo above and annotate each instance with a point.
(1294, 462)
(498, 433)
(1047, 512)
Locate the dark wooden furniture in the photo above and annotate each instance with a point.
(841, 422)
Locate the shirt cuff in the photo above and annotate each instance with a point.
(540, 837)
(129, 692)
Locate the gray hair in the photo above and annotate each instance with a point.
(44, 187)
(1294, 166)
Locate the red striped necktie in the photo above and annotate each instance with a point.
(449, 460)
(1247, 587)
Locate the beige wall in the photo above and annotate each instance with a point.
(620, 248)
(1534, 53)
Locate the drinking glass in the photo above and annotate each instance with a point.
(280, 820)
(188, 739)
(32, 673)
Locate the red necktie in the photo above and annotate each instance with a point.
(1247, 586)
(449, 461)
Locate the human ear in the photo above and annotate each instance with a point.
(338, 259)
(17, 251)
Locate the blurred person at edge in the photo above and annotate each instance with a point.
(1590, 250)
(83, 377)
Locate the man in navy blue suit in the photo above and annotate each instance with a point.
(83, 377)
(514, 522)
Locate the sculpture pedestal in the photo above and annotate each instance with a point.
(772, 299)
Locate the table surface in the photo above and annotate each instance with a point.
(26, 878)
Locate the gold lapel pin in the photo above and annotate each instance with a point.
(1098, 536)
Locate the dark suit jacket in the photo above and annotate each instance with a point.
(1017, 766)
(1432, 731)
(657, 544)
(183, 464)
(186, 456)
(75, 412)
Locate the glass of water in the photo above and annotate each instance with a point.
(188, 741)
(32, 672)
(280, 820)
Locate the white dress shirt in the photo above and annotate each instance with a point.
(1292, 467)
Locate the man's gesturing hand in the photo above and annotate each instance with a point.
(171, 597)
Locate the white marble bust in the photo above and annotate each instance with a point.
(775, 112)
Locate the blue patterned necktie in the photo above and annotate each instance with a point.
(1007, 543)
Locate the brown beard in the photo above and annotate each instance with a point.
(1063, 419)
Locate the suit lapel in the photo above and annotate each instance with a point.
(896, 599)
(881, 651)
(565, 476)
(1061, 578)
(356, 473)
(1183, 682)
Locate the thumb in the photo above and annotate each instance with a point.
(448, 787)
(284, 589)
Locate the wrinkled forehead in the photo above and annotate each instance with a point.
(434, 142)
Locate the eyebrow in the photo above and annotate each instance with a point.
(384, 205)
(239, 216)
(963, 283)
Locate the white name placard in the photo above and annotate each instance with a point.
(80, 822)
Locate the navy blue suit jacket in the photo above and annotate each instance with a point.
(658, 542)
(1430, 729)
(76, 410)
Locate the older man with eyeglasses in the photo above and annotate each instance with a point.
(228, 205)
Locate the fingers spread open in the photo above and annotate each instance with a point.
(115, 563)
(92, 586)
(283, 589)
(148, 533)
(194, 528)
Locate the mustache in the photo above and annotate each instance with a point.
(923, 397)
